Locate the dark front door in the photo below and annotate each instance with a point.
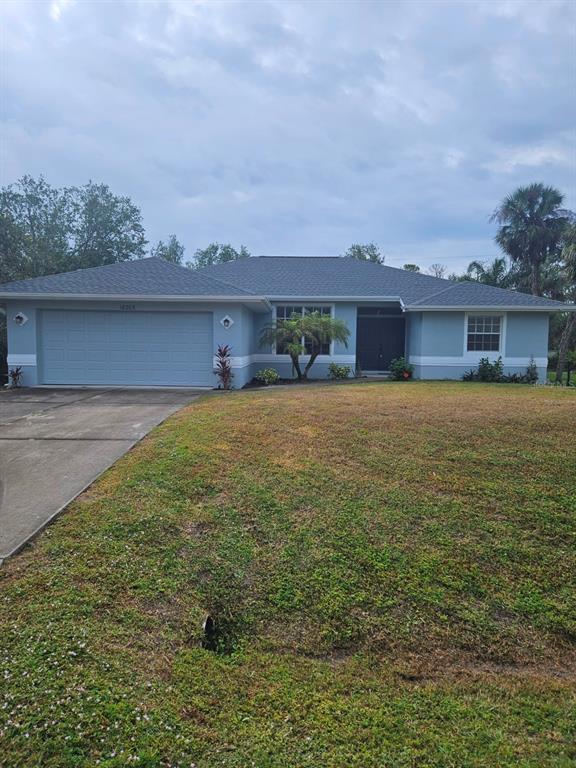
(378, 341)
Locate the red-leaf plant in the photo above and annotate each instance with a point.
(223, 367)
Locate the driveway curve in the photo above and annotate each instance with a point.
(55, 442)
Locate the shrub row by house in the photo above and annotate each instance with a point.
(494, 372)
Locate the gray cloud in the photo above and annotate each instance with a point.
(296, 127)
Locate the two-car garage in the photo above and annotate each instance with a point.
(125, 348)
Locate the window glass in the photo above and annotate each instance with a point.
(483, 333)
(320, 310)
(285, 311)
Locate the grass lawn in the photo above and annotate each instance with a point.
(391, 568)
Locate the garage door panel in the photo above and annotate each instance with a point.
(123, 349)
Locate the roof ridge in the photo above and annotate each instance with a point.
(191, 270)
(437, 293)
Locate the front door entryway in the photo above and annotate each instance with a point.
(380, 338)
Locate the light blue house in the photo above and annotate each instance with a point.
(152, 323)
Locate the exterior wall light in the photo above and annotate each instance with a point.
(20, 318)
(227, 322)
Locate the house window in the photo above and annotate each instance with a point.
(484, 333)
(285, 312)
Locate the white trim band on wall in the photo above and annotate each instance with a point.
(21, 359)
(242, 361)
(541, 362)
(273, 358)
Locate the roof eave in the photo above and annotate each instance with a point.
(332, 298)
(491, 308)
(6, 296)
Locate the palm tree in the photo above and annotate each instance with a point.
(569, 270)
(531, 222)
(494, 273)
(301, 333)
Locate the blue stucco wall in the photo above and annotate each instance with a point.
(259, 322)
(435, 340)
(526, 334)
(437, 344)
(442, 333)
(22, 340)
(414, 333)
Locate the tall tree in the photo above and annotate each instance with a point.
(437, 270)
(107, 228)
(411, 267)
(36, 222)
(44, 230)
(172, 251)
(217, 253)
(569, 272)
(367, 252)
(531, 222)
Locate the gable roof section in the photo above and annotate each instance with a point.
(299, 277)
(142, 277)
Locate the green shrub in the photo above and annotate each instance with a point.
(336, 371)
(513, 378)
(488, 371)
(531, 372)
(494, 372)
(401, 369)
(268, 376)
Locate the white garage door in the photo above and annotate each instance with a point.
(126, 348)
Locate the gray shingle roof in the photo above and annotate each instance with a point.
(275, 277)
(331, 277)
(469, 294)
(145, 277)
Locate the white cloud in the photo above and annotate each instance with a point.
(509, 159)
(295, 126)
(453, 158)
(57, 8)
(541, 17)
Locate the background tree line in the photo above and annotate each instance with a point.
(44, 230)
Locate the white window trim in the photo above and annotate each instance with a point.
(303, 304)
(477, 355)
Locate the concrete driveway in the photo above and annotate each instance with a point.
(55, 442)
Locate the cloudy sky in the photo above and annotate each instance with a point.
(296, 127)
